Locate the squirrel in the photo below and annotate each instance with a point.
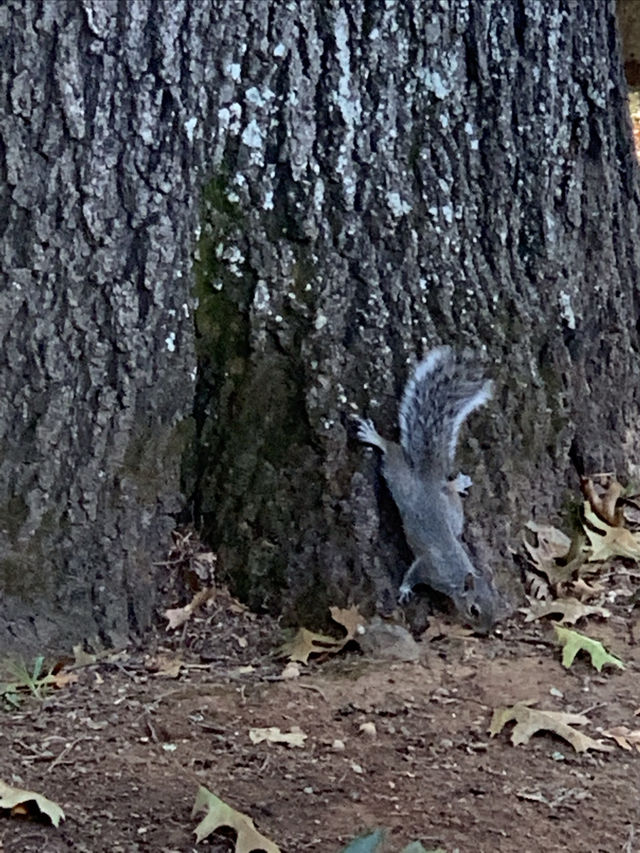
(440, 394)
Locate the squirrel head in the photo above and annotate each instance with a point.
(479, 602)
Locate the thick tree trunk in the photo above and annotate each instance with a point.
(378, 178)
(389, 177)
(97, 374)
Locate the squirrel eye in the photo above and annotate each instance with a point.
(474, 610)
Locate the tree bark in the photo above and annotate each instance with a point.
(388, 178)
(378, 179)
(98, 367)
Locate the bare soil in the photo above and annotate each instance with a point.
(125, 749)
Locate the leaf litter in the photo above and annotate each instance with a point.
(530, 721)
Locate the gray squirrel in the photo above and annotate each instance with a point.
(441, 393)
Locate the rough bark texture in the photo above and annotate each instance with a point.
(97, 200)
(379, 178)
(388, 177)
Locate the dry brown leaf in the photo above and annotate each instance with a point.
(606, 541)
(553, 545)
(350, 619)
(438, 628)
(82, 658)
(219, 815)
(537, 586)
(272, 734)
(306, 643)
(178, 616)
(570, 609)
(624, 737)
(585, 591)
(18, 801)
(604, 505)
(529, 721)
(62, 679)
(164, 665)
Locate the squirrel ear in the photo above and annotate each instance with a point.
(469, 582)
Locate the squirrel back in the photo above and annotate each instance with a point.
(443, 390)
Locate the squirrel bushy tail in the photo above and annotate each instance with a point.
(442, 392)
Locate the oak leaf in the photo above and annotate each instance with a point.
(306, 643)
(18, 800)
(552, 546)
(529, 721)
(272, 734)
(624, 737)
(574, 642)
(570, 610)
(605, 504)
(606, 541)
(350, 619)
(177, 616)
(219, 815)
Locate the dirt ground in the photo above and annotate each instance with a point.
(123, 750)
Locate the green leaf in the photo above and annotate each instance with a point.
(365, 844)
(37, 667)
(573, 642)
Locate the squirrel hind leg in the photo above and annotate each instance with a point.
(368, 434)
(414, 575)
(405, 594)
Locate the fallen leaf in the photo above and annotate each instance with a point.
(164, 665)
(81, 657)
(529, 721)
(62, 679)
(570, 609)
(573, 642)
(606, 541)
(604, 505)
(553, 545)
(585, 590)
(366, 843)
(624, 737)
(537, 587)
(296, 737)
(350, 619)
(307, 643)
(219, 814)
(178, 616)
(16, 798)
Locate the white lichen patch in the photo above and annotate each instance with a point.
(566, 309)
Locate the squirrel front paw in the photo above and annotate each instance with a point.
(366, 432)
(405, 594)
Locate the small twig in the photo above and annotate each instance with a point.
(65, 752)
(152, 731)
(316, 689)
(593, 708)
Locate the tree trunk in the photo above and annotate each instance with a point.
(98, 201)
(390, 177)
(379, 178)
